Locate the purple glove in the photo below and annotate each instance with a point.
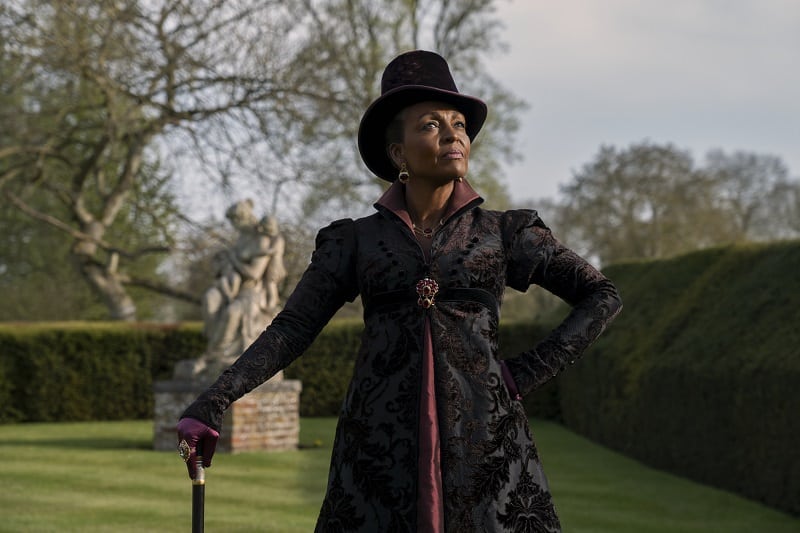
(201, 439)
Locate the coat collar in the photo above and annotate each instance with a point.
(394, 200)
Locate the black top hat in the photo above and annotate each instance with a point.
(411, 78)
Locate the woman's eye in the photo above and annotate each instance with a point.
(460, 124)
(431, 125)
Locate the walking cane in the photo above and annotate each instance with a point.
(198, 496)
(198, 486)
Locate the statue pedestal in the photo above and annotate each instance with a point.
(267, 418)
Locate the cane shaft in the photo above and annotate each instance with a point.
(198, 498)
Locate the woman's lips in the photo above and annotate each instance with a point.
(453, 154)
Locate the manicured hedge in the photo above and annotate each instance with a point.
(102, 371)
(700, 374)
(87, 371)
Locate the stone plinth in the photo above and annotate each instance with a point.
(267, 418)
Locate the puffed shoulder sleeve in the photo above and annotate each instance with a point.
(536, 257)
(326, 284)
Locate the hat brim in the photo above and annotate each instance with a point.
(372, 130)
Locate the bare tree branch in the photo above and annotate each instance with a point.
(53, 221)
(160, 288)
(82, 236)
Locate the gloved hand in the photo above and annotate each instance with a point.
(201, 439)
(511, 385)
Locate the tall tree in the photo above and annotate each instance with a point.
(110, 101)
(753, 189)
(651, 200)
(784, 202)
(307, 148)
(95, 84)
(637, 202)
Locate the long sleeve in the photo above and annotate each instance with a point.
(327, 283)
(536, 257)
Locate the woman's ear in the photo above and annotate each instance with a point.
(396, 154)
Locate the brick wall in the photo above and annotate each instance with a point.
(267, 418)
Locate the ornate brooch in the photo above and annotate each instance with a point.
(426, 289)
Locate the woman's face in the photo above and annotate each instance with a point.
(435, 144)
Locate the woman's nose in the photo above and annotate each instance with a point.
(448, 132)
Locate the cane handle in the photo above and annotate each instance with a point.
(200, 476)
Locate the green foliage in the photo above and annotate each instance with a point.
(107, 114)
(37, 282)
(699, 374)
(753, 189)
(34, 286)
(336, 68)
(652, 201)
(116, 483)
(102, 371)
(86, 371)
(90, 92)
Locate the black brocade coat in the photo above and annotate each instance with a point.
(491, 475)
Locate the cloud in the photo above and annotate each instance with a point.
(698, 73)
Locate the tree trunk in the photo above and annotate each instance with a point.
(111, 290)
(104, 280)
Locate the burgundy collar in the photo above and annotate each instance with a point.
(394, 199)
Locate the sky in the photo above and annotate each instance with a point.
(700, 74)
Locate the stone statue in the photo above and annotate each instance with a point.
(276, 271)
(244, 297)
(242, 300)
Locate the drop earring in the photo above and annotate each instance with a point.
(403, 175)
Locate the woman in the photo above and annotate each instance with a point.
(431, 435)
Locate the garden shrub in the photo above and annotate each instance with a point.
(699, 375)
(87, 371)
(105, 371)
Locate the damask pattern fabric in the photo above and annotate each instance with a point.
(492, 477)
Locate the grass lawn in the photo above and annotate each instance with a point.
(103, 476)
